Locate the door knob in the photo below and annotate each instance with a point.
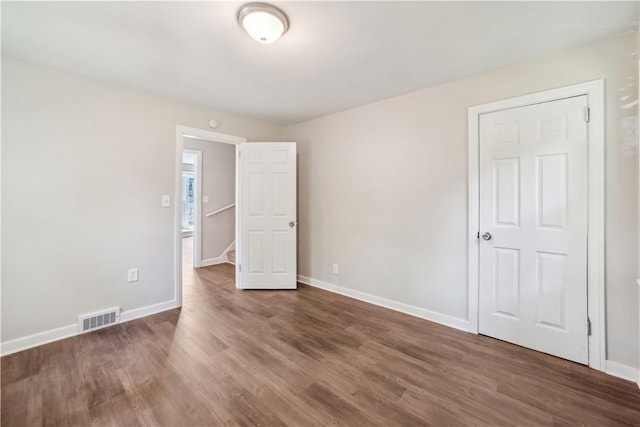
(292, 224)
(486, 236)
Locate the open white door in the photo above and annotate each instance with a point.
(266, 216)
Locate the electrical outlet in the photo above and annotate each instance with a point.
(166, 201)
(336, 268)
(133, 275)
(205, 199)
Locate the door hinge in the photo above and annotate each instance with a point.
(588, 327)
(239, 268)
(587, 114)
(478, 235)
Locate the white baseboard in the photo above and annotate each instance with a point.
(443, 319)
(46, 337)
(213, 261)
(218, 260)
(24, 343)
(148, 310)
(621, 371)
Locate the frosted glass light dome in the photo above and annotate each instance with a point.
(263, 22)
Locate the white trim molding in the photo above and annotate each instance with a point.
(197, 220)
(30, 341)
(214, 261)
(217, 211)
(594, 90)
(443, 319)
(209, 135)
(57, 334)
(621, 371)
(218, 260)
(148, 310)
(181, 132)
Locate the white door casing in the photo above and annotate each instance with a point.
(197, 229)
(533, 227)
(594, 182)
(181, 132)
(266, 221)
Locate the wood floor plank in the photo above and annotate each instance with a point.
(337, 410)
(27, 392)
(118, 411)
(298, 358)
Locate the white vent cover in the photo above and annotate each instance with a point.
(98, 320)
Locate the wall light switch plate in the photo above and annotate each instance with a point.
(166, 201)
(133, 275)
(205, 199)
(336, 269)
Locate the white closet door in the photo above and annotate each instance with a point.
(533, 226)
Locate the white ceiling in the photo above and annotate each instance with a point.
(336, 55)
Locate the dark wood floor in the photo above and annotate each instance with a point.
(298, 358)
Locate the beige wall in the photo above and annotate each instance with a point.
(382, 190)
(219, 183)
(84, 165)
(383, 187)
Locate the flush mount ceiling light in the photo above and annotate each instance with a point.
(264, 23)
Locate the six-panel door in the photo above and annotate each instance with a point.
(533, 204)
(267, 225)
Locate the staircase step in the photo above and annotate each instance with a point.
(231, 257)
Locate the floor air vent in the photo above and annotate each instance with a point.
(98, 320)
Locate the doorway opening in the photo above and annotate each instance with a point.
(189, 163)
(191, 172)
(205, 192)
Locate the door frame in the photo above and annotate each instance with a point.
(197, 201)
(181, 132)
(594, 90)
